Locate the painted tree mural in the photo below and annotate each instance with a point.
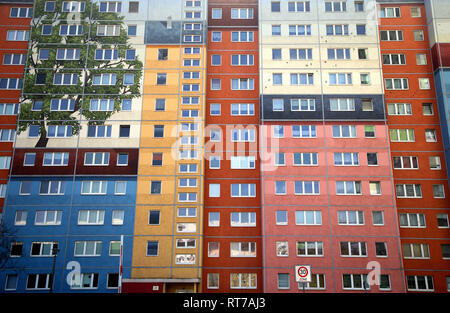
(80, 67)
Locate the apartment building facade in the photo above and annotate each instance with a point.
(212, 146)
(416, 141)
(232, 230)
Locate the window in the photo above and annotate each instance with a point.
(281, 217)
(243, 135)
(104, 80)
(415, 251)
(192, 38)
(353, 248)
(25, 188)
(243, 280)
(130, 54)
(216, 84)
(335, 6)
(399, 108)
(124, 131)
(277, 79)
(275, 6)
(309, 248)
(21, 12)
(13, 59)
(122, 159)
(46, 30)
(359, 6)
(369, 131)
(88, 248)
(415, 12)
(120, 187)
(242, 249)
(299, 30)
(87, 281)
(243, 219)
(93, 187)
(344, 131)
(106, 54)
(348, 188)
(421, 59)
(360, 29)
(3, 190)
(48, 217)
(153, 217)
(49, 6)
(243, 190)
(242, 84)
(418, 35)
(110, 6)
(378, 218)
(276, 30)
(317, 282)
(300, 54)
(305, 159)
(435, 162)
(186, 243)
(339, 54)
(350, 217)
(152, 248)
(91, 217)
(282, 248)
(342, 104)
(279, 159)
(242, 13)
(214, 162)
(39, 281)
(29, 159)
(108, 30)
(278, 131)
(214, 190)
(354, 281)
(402, 135)
(216, 36)
(11, 281)
(304, 131)
(8, 108)
(299, 6)
(213, 249)
(424, 83)
(438, 191)
(242, 36)
(52, 187)
(427, 109)
(117, 217)
(96, 158)
(283, 281)
(442, 220)
(302, 78)
(346, 159)
(381, 249)
(362, 54)
(73, 6)
(243, 109)
(5, 162)
(375, 187)
(276, 54)
(133, 7)
(405, 162)
(242, 162)
(155, 187)
(308, 218)
(408, 190)
(112, 280)
(10, 83)
(419, 283)
(306, 188)
(242, 59)
(160, 105)
(20, 218)
(158, 131)
(70, 30)
(340, 78)
(412, 220)
(391, 35)
(430, 135)
(280, 187)
(187, 197)
(100, 131)
(337, 30)
(303, 105)
(389, 12)
(188, 168)
(216, 13)
(17, 35)
(394, 59)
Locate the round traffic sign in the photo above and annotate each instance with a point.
(302, 271)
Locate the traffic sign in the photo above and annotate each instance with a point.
(303, 273)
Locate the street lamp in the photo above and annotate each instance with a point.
(55, 251)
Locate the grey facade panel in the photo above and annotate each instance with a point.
(322, 110)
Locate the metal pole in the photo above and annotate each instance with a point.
(55, 252)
